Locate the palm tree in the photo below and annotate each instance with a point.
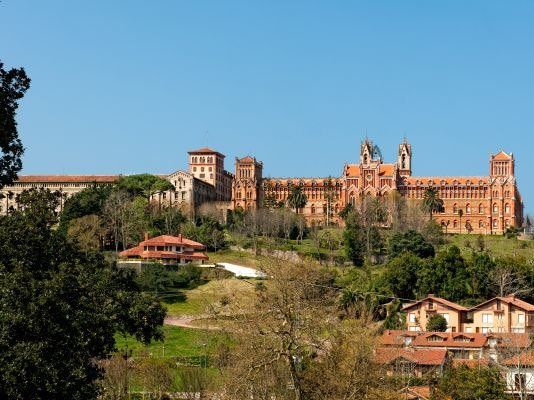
(431, 201)
(297, 199)
(460, 215)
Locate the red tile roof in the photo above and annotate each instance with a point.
(435, 299)
(501, 156)
(166, 240)
(417, 356)
(247, 159)
(67, 178)
(387, 169)
(523, 359)
(451, 340)
(205, 150)
(512, 340)
(508, 300)
(448, 180)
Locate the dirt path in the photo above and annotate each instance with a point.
(185, 321)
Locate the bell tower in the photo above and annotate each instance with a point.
(404, 160)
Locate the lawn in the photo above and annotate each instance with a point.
(178, 342)
(214, 292)
(497, 245)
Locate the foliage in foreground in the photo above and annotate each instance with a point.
(60, 308)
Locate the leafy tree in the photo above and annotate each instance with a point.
(296, 198)
(89, 201)
(436, 323)
(207, 231)
(412, 242)
(464, 383)
(60, 308)
(431, 201)
(353, 240)
(446, 275)
(144, 185)
(13, 85)
(155, 278)
(347, 210)
(401, 275)
(87, 232)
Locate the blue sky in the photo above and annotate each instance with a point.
(130, 86)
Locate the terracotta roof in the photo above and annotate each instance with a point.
(415, 393)
(509, 300)
(352, 170)
(247, 159)
(387, 169)
(157, 254)
(523, 359)
(417, 356)
(396, 337)
(445, 302)
(450, 339)
(456, 362)
(319, 182)
(501, 156)
(205, 150)
(67, 178)
(512, 340)
(171, 240)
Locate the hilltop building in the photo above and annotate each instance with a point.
(489, 204)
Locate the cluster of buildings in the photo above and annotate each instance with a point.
(479, 204)
(497, 332)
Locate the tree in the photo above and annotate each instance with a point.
(87, 232)
(401, 275)
(460, 215)
(145, 185)
(436, 323)
(431, 201)
(412, 242)
(296, 198)
(89, 201)
(464, 383)
(61, 321)
(353, 240)
(288, 346)
(13, 85)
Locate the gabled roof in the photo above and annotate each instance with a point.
(387, 169)
(205, 150)
(435, 299)
(502, 156)
(512, 340)
(451, 339)
(508, 300)
(171, 240)
(417, 356)
(247, 159)
(522, 360)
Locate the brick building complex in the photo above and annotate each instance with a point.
(487, 204)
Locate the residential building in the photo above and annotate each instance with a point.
(498, 315)
(168, 250)
(411, 362)
(418, 313)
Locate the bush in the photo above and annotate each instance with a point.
(412, 242)
(436, 323)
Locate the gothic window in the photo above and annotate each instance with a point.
(495, 223)
(365, 159)
(455, 224)
(468, 208)
(480, 224)
(507, 208)
(313, 209)
(495, 208)
(480, 209)
(403, 161)
(455, 208)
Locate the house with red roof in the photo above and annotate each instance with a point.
(418, 313)
(411, 362)
(166, 249)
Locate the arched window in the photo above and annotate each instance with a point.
(455, 208)
(507, 208)
(365, 159)
(481, 224)
(468, 208)
(403, 164)
(495, 208)
(313, 208)
(507, 223)
(495, 223)
(455, 224)
(480, 209)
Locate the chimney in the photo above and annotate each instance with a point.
(146, 235)
(180, 236)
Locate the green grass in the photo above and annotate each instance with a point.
(498, 246)
(178, 342)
